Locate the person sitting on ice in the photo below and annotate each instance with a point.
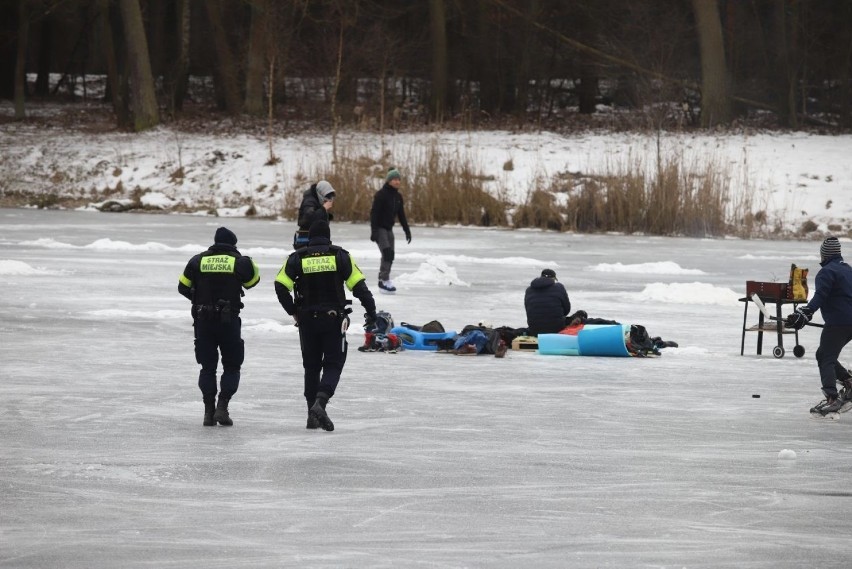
(547, 305)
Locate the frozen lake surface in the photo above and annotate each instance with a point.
(437, 460)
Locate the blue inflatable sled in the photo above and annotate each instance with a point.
(592, 340)
(417, 340)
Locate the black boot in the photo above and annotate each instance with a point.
(312, 421)
(221, 414)
(209, 408)
(318, 412)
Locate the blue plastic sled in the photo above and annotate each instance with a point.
(417, 340)
(592, 340)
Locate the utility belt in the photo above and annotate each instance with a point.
(222, 311)
(331, 313)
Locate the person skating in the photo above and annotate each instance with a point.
(547, 305)
(316, 275)
(833, 296)
(317, 202)
(388, 206)
(213, 282)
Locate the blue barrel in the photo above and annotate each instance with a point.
(592, 340)
(603, 340)
(558, 345)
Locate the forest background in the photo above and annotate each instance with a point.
(272, 68)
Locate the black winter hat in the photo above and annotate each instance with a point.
(830, 248)
(319, 228)
(549, 273)
(226, 236)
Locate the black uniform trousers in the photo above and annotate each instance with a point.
(211, 337)
(831, 342)
(324, 346)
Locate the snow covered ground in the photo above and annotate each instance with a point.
(437, 460)
(792, 177)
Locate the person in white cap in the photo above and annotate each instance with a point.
(317, 202)
(833, 296)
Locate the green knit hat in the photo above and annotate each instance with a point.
(393, 173)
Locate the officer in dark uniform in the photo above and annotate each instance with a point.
(213, 281)
(316, 275)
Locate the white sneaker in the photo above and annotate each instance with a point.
(387, 286)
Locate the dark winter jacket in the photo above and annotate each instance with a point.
(316, 274)
(547, 305)
(833, 292)
(311, 209)
(219, 273)
(387, 207)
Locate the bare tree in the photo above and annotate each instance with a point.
(440, 62)
(227, 67)
(256, 58)
(21, 59)
(176, 77)
(142, 98)
(715, 100)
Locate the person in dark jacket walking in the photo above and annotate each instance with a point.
(316, 275)
(316, 205)
(213, 282)
(387, 207)
(547, 305)
(833, 296)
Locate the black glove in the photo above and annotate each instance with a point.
(369, 321)
(799, 318)
(373, 234)
(408, 236)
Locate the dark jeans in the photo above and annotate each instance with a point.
(831, 343)
(324, 347)
(211, 337)
(385, 241)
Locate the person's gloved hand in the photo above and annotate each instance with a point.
(800, 318)
(408, 235)
(369, 321)
(373, 234)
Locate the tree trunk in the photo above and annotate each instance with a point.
(335, 116)
(227, 67)
(156, 31)
(45, 49)
(176, 77)
(256, 56)
(440, 63)
(114, 91)
(487, 68)
(588, 90)
(143, 101)
(785, 19)
(21, 60)
(8, 51)
(715, 100)
(525, 60)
